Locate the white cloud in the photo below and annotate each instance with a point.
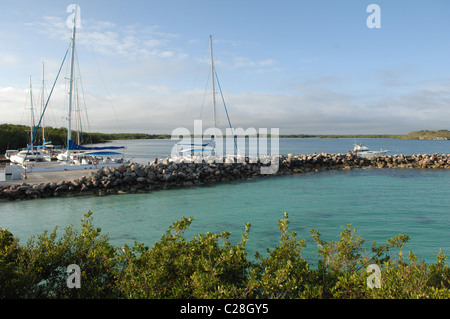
(160, 89)
(166, 54)
(12, 105)
(145, 81)
(160, 109)
(101, 25)
(105, 37)
(153, 43)
(244, 62)
(310, 60)
(8, 59)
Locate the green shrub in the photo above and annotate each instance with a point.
(209, 266)
(284, 273)
(39, 270)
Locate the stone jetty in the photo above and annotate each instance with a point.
(136, 178)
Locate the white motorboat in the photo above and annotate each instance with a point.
(364, 151)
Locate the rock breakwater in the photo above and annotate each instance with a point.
(135, 178)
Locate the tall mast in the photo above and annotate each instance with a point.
(69, 131)
(77, 113)
(32, 116)
(213, 86)
(42, 105)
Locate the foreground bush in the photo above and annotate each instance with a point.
(209, 266)
(38, 270)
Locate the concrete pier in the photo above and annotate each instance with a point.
(48, 177)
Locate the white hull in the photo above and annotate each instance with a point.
(9, 153)
(21, 157)
(371, 153)
(363, 151)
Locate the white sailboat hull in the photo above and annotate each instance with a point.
(22, 157)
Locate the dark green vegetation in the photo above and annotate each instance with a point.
(429, 135)
(341, 136)
(424, 135)
(18, 136)
(209, 266)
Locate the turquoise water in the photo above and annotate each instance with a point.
(379, 203)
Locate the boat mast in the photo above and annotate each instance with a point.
(32, 116)
(42, 105)
(213, 86)
(77, 113)
(69, 131)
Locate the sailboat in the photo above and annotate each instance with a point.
(206, 148)
(77, 157)
(46, 147)
(31, 153)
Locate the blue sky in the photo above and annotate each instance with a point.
(310, 67)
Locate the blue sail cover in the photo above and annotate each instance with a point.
(210, 144)
(75, 147)
(101, 153)
(197, 148)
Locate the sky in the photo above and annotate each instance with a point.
(304, 67)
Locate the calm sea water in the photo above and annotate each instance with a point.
(378, 203)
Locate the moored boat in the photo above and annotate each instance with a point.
(200, 147)
(29, 155)
(77, 157)
(364, 151)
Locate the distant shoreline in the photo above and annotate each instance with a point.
(17, 136)
(341, 136)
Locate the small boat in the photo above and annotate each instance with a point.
(29, 155)
(50, 150)
(363, 151)
(9, 153)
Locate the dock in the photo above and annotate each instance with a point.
(48, 177)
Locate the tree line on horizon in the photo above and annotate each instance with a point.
(14, 136)
(18, 136)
